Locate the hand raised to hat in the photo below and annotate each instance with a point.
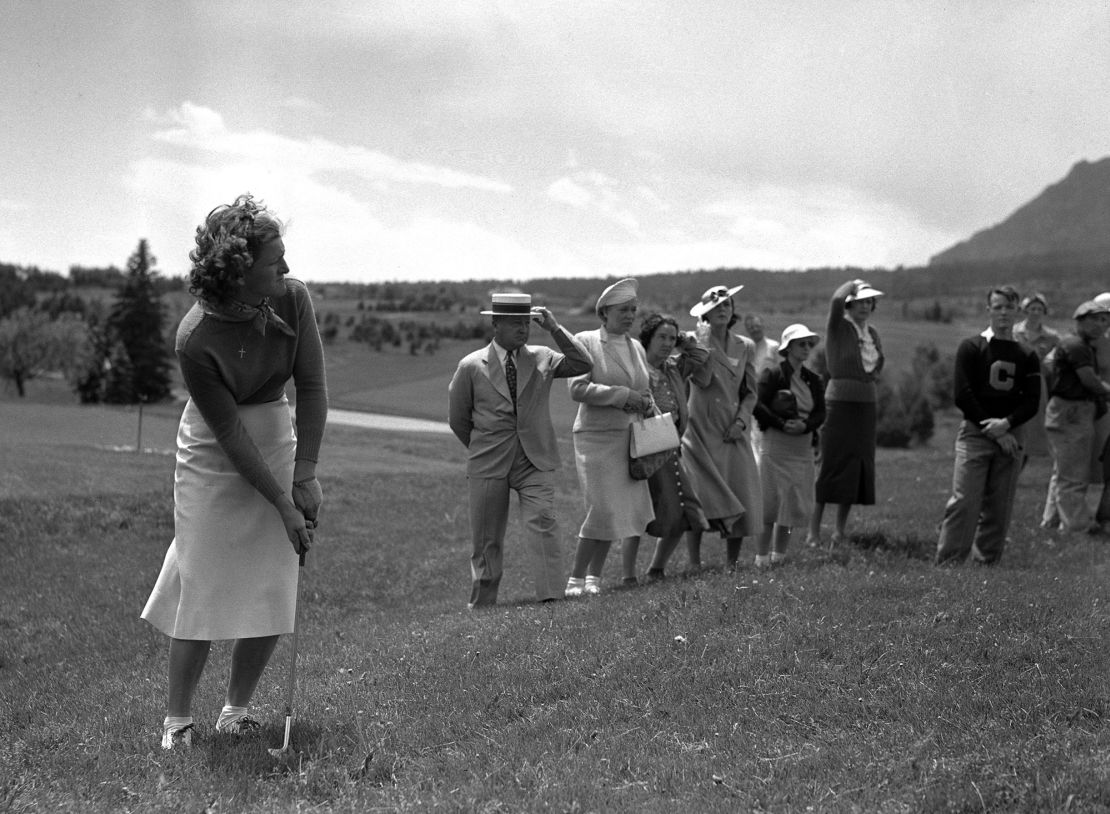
(546, 320)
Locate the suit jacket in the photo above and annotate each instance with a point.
(603, 392)
(481, 410)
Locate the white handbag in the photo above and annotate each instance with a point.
(653, 434)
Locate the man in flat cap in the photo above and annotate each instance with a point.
(499, 410)
(1077, 398)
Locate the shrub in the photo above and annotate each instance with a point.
(905, 416)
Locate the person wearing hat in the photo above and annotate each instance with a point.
(609, 397)
(499, 410)
(791, 407)
(854, 357)
(1041, 339)
(717, 445)
(998, 390)
(1076, 400)
(1100, 453)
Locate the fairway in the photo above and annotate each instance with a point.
(861, 679)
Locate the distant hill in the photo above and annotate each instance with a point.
(1069, 221)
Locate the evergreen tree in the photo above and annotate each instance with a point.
(137, 323)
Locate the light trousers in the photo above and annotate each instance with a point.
(489, 516)
(1070, 426)
(977, 516)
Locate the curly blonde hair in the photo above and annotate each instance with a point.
(227, 243)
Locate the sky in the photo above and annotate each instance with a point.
(515, 139)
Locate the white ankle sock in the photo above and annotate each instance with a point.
(229, 715)
(173, 723)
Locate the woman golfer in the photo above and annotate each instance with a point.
(246, 496)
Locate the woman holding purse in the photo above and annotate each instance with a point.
(610, 396)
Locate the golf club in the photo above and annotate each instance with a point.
(291, 686)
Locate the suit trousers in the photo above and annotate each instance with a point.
(489, 515)
(1070, 426)
(977, 516)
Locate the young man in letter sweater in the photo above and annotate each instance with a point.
(998, 386)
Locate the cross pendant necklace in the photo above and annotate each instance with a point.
(242, 343)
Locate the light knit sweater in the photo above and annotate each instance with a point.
(848, 380)
(226, 364)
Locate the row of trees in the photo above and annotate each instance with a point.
(117, 355)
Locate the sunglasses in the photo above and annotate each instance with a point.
(806, 343)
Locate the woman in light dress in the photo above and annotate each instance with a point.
(717, 445)
(609, 397)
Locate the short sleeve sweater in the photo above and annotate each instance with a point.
(226, 364)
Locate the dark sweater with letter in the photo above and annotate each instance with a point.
(997, 378)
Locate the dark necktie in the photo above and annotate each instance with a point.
(510, 375)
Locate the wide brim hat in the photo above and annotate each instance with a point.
(793, 332)
(712, 298)
(864, 292)
(511, 304)
(1090, 308)
(620, 291)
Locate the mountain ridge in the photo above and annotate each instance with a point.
(1070, 219)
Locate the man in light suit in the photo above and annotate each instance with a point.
(499, 409)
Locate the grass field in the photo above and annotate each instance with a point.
(862, 680)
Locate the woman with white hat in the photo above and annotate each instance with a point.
(717, 445)
(854, 356)
(791, 407)
(615, 391)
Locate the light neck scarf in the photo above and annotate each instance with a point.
(258, 316)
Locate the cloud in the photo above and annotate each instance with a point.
(200, 128)
(806, 227)
(593, 191)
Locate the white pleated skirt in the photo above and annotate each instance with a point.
(230, 571)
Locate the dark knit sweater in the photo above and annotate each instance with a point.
(219, 378)
(848, 381)
(997, 378)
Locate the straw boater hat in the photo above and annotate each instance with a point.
(511, 305)
(712, 298)
(620, 291)
(792, 332)
(864, 292)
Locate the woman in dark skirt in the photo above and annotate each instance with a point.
(677, 508)
(854, 356)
